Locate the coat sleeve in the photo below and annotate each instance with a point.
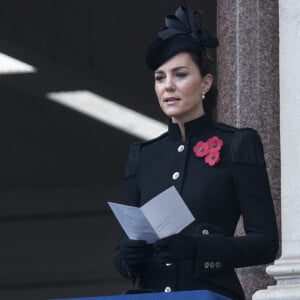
(260, 243)
(132, 195)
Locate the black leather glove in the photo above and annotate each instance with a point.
(134, 253)
(175, 248)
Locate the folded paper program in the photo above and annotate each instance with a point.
(162, 216)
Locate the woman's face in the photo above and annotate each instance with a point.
(179, 87)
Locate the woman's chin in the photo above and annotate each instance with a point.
(171, 111)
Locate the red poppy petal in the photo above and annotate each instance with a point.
(209, 149)
(201, 149)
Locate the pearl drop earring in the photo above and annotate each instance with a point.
(203, 96)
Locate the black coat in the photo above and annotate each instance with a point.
(216, 195)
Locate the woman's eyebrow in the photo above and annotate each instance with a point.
(179, 68)
(173, 70)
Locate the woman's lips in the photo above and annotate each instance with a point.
(171, 100)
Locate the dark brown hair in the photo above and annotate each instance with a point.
(206, 66)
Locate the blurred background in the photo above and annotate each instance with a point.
(64, 65)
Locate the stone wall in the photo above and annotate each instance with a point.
(248, 82)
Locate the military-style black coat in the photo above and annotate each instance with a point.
(216, 195)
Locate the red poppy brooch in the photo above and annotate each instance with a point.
(209, 149)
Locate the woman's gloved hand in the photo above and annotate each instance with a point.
(135, 252)
(175, 248)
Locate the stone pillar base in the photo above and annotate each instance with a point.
(287, 274)
(278, 293)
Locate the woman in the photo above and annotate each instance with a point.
(218, 170)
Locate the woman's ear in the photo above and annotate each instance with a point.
(207, 82)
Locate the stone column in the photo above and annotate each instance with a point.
(248, 82)
(286, 270)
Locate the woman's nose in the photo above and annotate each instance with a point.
(169, 84)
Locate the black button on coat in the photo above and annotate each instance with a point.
(216, 195)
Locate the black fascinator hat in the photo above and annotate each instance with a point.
(180, 33)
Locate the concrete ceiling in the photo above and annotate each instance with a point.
(75, 44)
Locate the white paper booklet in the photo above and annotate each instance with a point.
(162, 216)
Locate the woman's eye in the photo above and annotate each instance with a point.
(159, 78)
(181, 75)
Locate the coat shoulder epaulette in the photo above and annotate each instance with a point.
(154, 140)
(134, 154)
(224, 127)
(133, 159)
(247, 148)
